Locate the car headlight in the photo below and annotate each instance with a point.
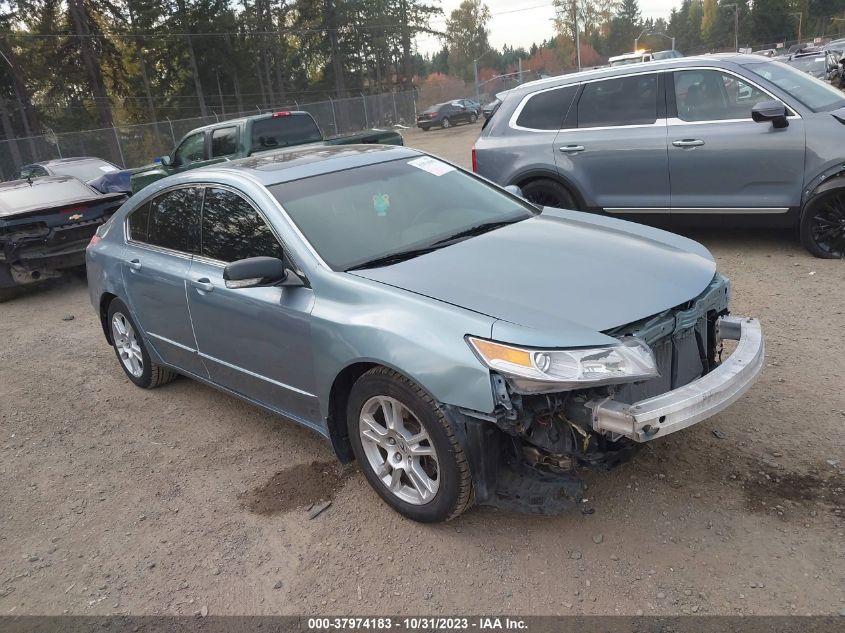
(535, 370)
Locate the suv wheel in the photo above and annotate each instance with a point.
(445, 122)
(131, 351)
(407, 448)
(823, 225)
(548, 193)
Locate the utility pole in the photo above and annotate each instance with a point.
(577, 33)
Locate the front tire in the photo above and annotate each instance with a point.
(131, 350)
(407, 448)
(548, 193)
(823, 225)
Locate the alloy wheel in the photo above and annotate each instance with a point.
(399, 450)
(828, 225)
(126, 344)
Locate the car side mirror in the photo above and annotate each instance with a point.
(515, 191)
(165, 160)
(773, 111)
(259, 271)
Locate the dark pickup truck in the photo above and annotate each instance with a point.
(239, 138)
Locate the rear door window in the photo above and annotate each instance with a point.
(169, 221)
(233, 230)
(618, 101)
(224, 142)
(546, 110)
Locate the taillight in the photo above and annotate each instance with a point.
(474, 161)
(285, 113)
(94, 240)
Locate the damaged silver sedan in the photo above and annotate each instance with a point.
(462, 344)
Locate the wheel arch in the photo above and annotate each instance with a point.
(105, 300)
(523, 178)
(829, 183)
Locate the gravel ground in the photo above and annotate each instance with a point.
(184, 500)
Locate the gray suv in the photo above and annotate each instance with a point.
(735, 135)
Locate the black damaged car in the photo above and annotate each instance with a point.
(45, 226)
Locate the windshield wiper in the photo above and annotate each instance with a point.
(477, 230)
(393, 258)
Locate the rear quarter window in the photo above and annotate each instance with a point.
(547, 110)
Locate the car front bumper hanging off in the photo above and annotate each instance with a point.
(677, 409)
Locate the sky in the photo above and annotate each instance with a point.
(523, 22)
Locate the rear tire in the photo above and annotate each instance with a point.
(823, 225)
(548, 193)
(406, 447)
(131, 351)
(445, 123)
(473, 117)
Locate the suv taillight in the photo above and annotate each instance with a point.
(474, 161)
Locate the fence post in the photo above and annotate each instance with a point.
(334, 116)
(119, 148)
(364, 101)
(172, 135)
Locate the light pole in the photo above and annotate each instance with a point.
(637, 39)
(668, 37)
(475, 73)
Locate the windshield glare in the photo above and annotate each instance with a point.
(351, 217)
(812, 92)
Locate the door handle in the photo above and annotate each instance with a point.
(688, 142)
(202, 284)
(134, 264)
(571, 149)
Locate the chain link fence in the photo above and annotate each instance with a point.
(136, 145)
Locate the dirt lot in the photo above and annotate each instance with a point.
(118, 500)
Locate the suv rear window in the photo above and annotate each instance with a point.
(546, 110)
(619, 101)
(282, 131)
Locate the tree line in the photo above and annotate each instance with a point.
(82, 64)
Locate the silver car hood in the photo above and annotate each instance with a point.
(564, 275)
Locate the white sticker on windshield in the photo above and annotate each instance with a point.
(431, 165)
(108, 168)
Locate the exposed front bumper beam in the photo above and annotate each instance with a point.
(677, 409)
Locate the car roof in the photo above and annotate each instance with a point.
(285, 165)
(719, 60)
(244, 119)
(58, 162)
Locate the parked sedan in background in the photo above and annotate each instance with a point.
(441, 330)
(85, 168)
(469, 104)
(445, 115)
(719, 135)
(45, 225)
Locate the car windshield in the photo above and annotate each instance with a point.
(812, 92)
(395, 208)
(85, 170)
(814, 64)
